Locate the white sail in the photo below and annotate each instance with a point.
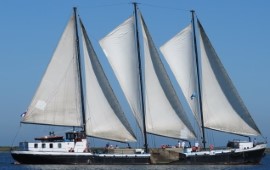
(120, 49)
(57, 99)
(104, 116)
(164, 113)
(179, 54)
(223, 108)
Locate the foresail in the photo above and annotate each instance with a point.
(223, 108)
(57, 99)
(179, 54)
(104, 116)
(164, 113)
(120, 49)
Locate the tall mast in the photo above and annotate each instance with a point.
(140, 73)
(79, 69)
(198, 76)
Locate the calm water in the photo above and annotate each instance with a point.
(6, 163)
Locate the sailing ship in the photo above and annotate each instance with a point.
(150, 94)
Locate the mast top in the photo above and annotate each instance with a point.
(135, 3)
(75, 10)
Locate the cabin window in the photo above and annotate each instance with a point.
(70, 136)
(51, 145)
(59, 145)
(36, 145)
(43, 145)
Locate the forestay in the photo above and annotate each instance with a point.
(104, 116)
(57, 99)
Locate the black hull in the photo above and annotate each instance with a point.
(49, 159)
(78, 159)
(119, 161)
(231, 158)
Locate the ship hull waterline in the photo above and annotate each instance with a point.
(251, 157)
(25, 157)
(229, 158)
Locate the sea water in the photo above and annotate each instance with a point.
(7, 163)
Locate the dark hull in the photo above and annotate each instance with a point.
(231, 158)
(49, 159)
(117, 160)
(77, 159)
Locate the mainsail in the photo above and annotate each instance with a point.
(164, 113)
(120, 49)
(104, 116)
(223, 108)
(57, 100)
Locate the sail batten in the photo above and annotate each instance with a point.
(164, 113)
(104, 116)
(57, 100)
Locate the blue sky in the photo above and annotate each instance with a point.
(30, 30)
